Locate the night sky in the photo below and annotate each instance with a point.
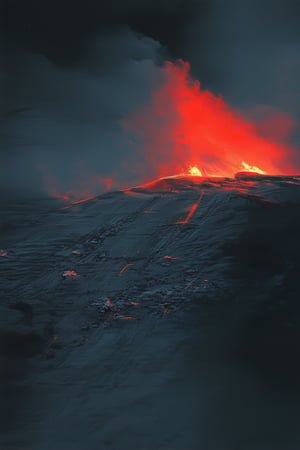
(71, 70)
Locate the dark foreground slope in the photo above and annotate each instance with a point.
(164, 317)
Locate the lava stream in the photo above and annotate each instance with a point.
(192, 210)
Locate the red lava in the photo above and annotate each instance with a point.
(126, 318)
(125, 268)
(77, 202)
(192, 210)
(71, 274)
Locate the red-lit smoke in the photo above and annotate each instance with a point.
(186, 127)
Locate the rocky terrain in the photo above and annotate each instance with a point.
(164, 317)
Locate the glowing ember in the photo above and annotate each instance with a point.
(134, 303)
(126, 317)
(108, 303)
(124, 268)
(169, 257)
(3, 253)
(165, 310)
(75, 252)
(70, 274)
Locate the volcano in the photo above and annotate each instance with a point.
(164, 316)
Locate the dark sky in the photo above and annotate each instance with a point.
(71, 69)
(62, 30)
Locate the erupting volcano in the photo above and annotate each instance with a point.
(185, 131)
(197, 265)
(190, 131)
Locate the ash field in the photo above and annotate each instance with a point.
(163, 317)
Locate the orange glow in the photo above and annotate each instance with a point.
(108, 303)
(185, 129)
(252, 168)
(195, 171)
(169, 257)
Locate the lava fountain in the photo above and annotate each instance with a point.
(185, 130)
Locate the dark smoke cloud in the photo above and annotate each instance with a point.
(62, 30)
(249, 51)
(61, 125)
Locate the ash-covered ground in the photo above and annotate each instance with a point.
(162, 317)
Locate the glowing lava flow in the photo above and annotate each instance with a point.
(77, 202)
(124, 268)
(71, 274)
(192, 210)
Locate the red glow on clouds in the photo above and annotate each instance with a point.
(185, 129)
(86, 185)
(182, 130)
